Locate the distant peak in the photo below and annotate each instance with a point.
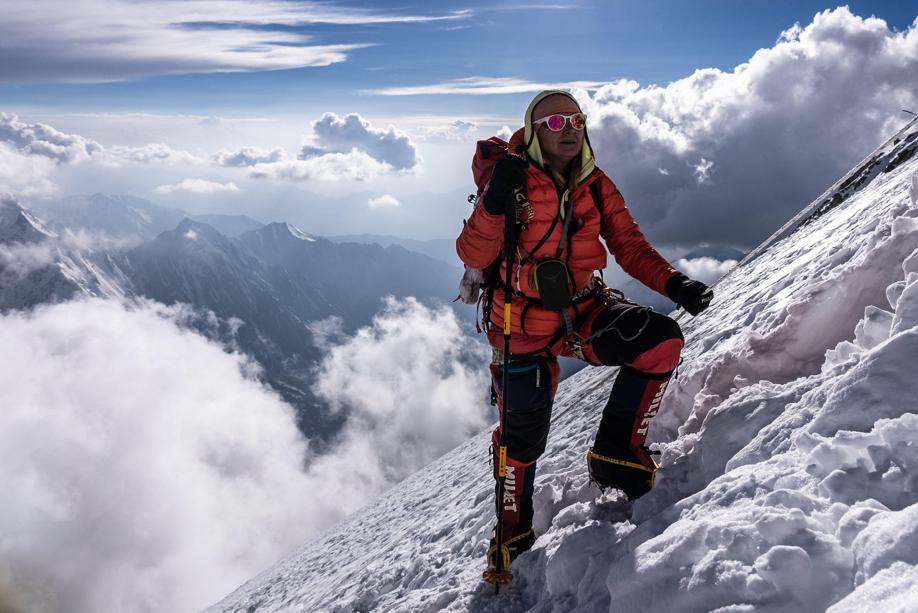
(281, 230)
(296, 232)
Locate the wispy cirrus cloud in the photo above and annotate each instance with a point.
(483, 86)
(97, 40)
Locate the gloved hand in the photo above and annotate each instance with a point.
(470, 286)
(508, 174)
(693, 296)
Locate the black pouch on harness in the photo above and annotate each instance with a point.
(553, 282)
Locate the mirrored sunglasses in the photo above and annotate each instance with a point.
(556, 122)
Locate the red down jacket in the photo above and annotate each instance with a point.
(480, 242)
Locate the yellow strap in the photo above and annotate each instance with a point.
(507, 319)
(518, 537)
(502, 462)
(591, 454)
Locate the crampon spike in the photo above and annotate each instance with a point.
(498, 575)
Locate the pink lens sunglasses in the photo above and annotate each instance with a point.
(556, 122)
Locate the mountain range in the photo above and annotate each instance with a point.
(267, 285)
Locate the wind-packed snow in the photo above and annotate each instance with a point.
(789, 442)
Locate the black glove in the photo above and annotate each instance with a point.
(509, 173)
(693, 296)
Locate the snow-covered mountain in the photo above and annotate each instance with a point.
(789, 478)
(38, 265)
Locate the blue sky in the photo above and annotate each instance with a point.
(718, 120)
(651, 42)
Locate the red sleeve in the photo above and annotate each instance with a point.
(627, 243)
(481, 239)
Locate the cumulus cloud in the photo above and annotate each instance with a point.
(705, 269)
(505, 132)
(248, 156)
(405, 412)
(726, 157)
(383, 201)
(25, 175)
(352, 166)
(140, 464)
(197, 186)
(334, 134)
(104, 40)
(43, 140)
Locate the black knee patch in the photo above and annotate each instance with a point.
(528, 413)
(638, 331)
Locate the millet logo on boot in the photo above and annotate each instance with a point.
(510, 496)
(652, 410)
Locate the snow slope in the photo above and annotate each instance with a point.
(789, 447)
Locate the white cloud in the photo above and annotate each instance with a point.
(383, 201)
(44, 140)
(249, 156)
(19, 259)
(703, 170)
(484, 86)
(746, 149)
(353, 166)
(152, 153)
(402, 413)
(97, 40)
(705, 269)
(334, 134)
(197, 186)
(25, 175)
(139, 465)
(458, 130)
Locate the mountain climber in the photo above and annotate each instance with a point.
(547, 177)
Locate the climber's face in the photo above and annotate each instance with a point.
(560, 147)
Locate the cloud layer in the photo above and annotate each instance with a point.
(132, 480)
(25, 175)
(144, 466)
(413, 387)
(726, 157)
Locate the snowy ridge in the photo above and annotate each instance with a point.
(902, 141)
(789, 478)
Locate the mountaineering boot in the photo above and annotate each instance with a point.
(618, 457)
(515, 511)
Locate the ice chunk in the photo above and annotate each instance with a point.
(906, 306)
(874, 328)
(893, 291)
